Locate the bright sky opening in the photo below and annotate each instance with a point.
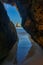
(13, 13)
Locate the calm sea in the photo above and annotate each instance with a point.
(24, 44)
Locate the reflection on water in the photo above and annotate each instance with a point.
(24, 44)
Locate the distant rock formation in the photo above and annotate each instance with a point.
(18, 25)
(8, 34)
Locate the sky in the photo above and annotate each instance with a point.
(13, 13)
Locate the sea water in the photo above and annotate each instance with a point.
(24, 44)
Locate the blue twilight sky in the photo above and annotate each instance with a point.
(13, 13)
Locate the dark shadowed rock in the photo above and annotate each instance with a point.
(33, 23)
(8, 34)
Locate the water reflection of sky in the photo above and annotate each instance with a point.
(24, 45)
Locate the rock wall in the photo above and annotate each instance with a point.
(8, 34)
(33, 24)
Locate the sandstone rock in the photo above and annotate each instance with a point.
(8, 34)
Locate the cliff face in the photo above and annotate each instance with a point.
(37, 16)
(34, 21)
(8, 34)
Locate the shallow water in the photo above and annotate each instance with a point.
(24, 44)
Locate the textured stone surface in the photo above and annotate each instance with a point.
(8, 34)
(35, 21)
